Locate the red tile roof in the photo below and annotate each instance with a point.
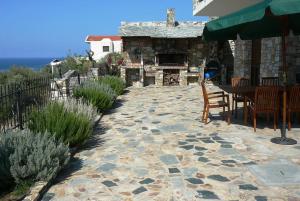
(99, 38)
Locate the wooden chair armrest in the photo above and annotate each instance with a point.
(219, 96)
(217, 92)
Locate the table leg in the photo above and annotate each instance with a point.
(245, 111)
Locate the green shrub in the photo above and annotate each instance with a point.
(65, 123)
(6, 178)
(32, 157)
(98, 94)
(116, 83)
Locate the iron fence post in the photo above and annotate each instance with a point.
(19, 107)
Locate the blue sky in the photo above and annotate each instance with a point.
(52, 28)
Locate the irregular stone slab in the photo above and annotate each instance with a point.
(248, 187)
(177, 182)
(228, 161)
(192, 140)
(195, 181)
(173, 128)
(218, 178)
(187, 147)
(107, 167)
(155, 131)
(182, 143)
(207, 195)
(261, 198)
(109, 183)
(200, 148)
(208, 141)
(203, 159)
(147, 181)
(139, 190)
(217, 138)
(110, 157)
(280, 172)
(190, 172)
(226, 146)
(140, 172)
(123, 130)
(174, 170)
(199, 154)
(169, 159)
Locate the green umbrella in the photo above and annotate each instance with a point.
(266, 19)
(269, 18)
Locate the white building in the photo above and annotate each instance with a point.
(214, 8)
(103, 45)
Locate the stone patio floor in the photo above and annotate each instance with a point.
(152, 146)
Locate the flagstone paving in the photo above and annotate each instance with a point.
(154, 147)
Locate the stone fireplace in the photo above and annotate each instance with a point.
(162, 52)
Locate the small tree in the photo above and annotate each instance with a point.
(113, 62)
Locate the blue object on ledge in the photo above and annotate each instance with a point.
(210, 74)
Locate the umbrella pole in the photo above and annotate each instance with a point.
(283, 140)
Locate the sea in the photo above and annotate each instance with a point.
(33, 63)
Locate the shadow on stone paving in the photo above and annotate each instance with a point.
(95, 140)
(262, 121)
(74, 165)
(119, 103)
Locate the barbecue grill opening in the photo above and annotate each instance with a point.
(172, 59)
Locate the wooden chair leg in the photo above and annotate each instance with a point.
(229, 115)
(232, 105)
(224, 113)
(236, 108)
(254, 121)
(275, 127)
(203, 113)
(206, 114)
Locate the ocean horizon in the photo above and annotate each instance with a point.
(33, 63)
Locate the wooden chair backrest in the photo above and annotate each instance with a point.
(294, 98)
(270, 81)
(266, 98)
(239, 82)
(205, 96)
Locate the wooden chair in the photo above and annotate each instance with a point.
(266, 101)
(293, 103)
(270, 81)
(223, 102)
(237, 83)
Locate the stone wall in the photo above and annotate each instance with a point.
(242, 58)
(271, 63)
(271, 58)
(293, 58)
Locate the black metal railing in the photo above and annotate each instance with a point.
(17, 100)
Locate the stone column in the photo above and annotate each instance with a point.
(183, 77)
(159, 78)
(123, 73)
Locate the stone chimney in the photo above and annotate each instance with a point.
(171, 17)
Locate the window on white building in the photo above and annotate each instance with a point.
(105, 48)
